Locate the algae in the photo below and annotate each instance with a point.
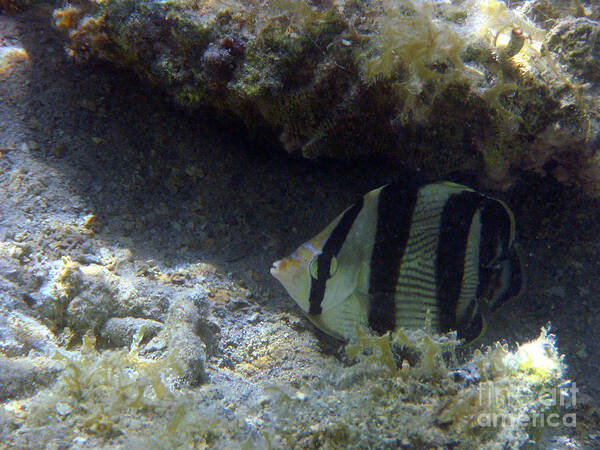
(490, 400)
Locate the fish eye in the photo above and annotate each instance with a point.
(313, 267)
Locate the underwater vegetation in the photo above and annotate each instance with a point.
(404, 389)
(99, 394)
(440, 86)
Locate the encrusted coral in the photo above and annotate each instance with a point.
(577, 43)
(437, 85)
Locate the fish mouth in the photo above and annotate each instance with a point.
(286, 270)
(275, 268)
(283, 264)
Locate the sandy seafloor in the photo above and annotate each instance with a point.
(178, 188)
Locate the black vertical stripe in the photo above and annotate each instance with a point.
(457, 217)
(394, 217)
(331, 248)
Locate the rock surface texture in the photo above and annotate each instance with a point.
(440, 86)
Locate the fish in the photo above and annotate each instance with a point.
(407, 254)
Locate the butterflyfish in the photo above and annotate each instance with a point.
(406, 252)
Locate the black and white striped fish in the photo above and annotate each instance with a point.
(403, 250)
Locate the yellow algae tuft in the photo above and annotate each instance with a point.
(492, 397)
(66, 281)
(97, 389)
(539, 360)
(379, 344)
(67, 18)
(9, 56)
(90, 224)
